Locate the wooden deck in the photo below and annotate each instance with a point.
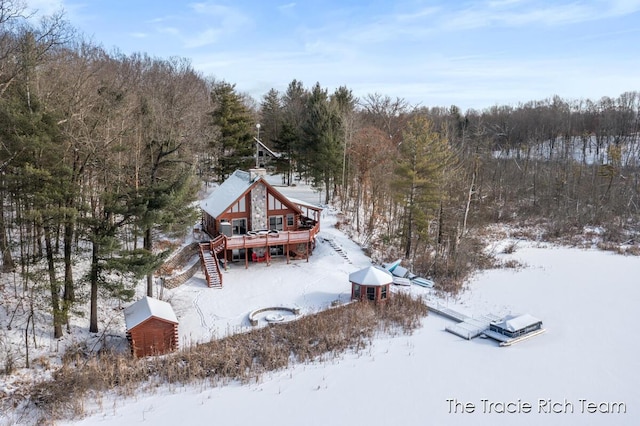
(269, 239)
(262, 239)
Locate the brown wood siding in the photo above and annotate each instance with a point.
(284, 214)
(154, 336)
(286, 210)
(209, 224)
(377, 293)
(227, 215)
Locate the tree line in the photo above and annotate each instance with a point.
(102, 154)
(419, 182)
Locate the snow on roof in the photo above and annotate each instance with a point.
(517, 322)
(371, 276)
(304, 203)
(232, 188)
(226, 193)
(146, 308)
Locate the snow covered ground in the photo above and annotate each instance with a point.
(589, 355)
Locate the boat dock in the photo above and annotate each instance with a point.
(466, 327)
(471, 327)
(446, 312)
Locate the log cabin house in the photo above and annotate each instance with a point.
(249, 220)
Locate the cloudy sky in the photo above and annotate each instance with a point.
(469, 53)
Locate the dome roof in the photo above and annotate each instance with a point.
(371, 276)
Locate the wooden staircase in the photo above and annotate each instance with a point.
(209, 260)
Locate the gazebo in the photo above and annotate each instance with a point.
(370, 283)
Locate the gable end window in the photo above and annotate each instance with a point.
(274, 203)
(240, 206)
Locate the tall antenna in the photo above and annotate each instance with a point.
(258, 146)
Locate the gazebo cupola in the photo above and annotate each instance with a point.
(370, 283)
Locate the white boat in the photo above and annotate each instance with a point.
(401, 281)
(423, 282)
(400, 271)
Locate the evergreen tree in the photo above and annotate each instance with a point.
(36, 180)
(294, 103)
(322, 148)
(234, 123)
(271, 119)
(285, 144)
(167, 120)
(110, 212)
(419, 176)
(345, 103)
(163, 207)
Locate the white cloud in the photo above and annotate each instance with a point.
(45, 7)
(417, 15)
(623, 7)
(287, 6)
(170, 30)
(501, 3)
(518, 13)
(223, 15)
(218, 21)
(203, 38)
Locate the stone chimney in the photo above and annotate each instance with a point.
(256, 173)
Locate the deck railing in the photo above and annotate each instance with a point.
(269, 239)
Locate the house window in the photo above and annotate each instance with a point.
(239, 226)
(275, 223)
(274, 203)
(371, 293)
(240, 206)
(356, 291)
(290, 219)
(383, 292)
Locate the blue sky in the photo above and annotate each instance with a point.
(473, 54)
